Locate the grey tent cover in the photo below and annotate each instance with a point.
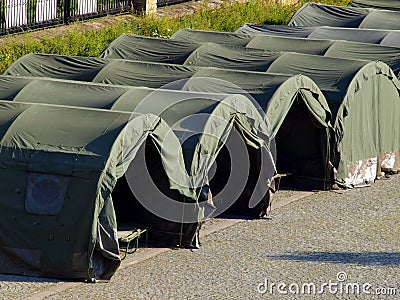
(314, 14)
(373, 36)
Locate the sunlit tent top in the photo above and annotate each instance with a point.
(58, 166)
(328, 48)
(373, 36)
(376, 4)
(315, 14)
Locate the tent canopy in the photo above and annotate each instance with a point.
(274, 93)
(328, 48)
(57, 190)
(376, 4)
(372, 36)
(315, 14)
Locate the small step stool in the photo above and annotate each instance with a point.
(127, 236)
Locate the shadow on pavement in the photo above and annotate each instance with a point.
(358, 258)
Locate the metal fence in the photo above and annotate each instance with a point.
(22, 15)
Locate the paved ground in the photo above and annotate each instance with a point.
(349, 239)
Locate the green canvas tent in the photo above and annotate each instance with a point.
(276, 94)
(328, 48)
(329, 74)
(315, 14)
(58, 166)
(372, 36)
(376, 4)
(200, 151)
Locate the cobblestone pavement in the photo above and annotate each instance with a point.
(349, 239)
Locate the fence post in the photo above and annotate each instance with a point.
(145, 6)
(67, 11)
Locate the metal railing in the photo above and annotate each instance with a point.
(22, 15)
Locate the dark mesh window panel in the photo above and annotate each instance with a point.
(45, 193)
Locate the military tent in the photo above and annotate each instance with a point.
(202, 143)
(328, 48)
(286, 100)
(329, 74)
(315, 14)
(58, 168)
(372, 36)
(376, 4)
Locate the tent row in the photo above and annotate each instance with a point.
(327, 48)
(99, 133)
(316, 14)
(274, 93)
(333, 76)
(372, 36)
(340, 80)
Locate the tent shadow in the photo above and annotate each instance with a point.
(28, 279)
(355, 258)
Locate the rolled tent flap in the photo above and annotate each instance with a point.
(315, 14)
(260, 86)
(372, 36)
(56, 191)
